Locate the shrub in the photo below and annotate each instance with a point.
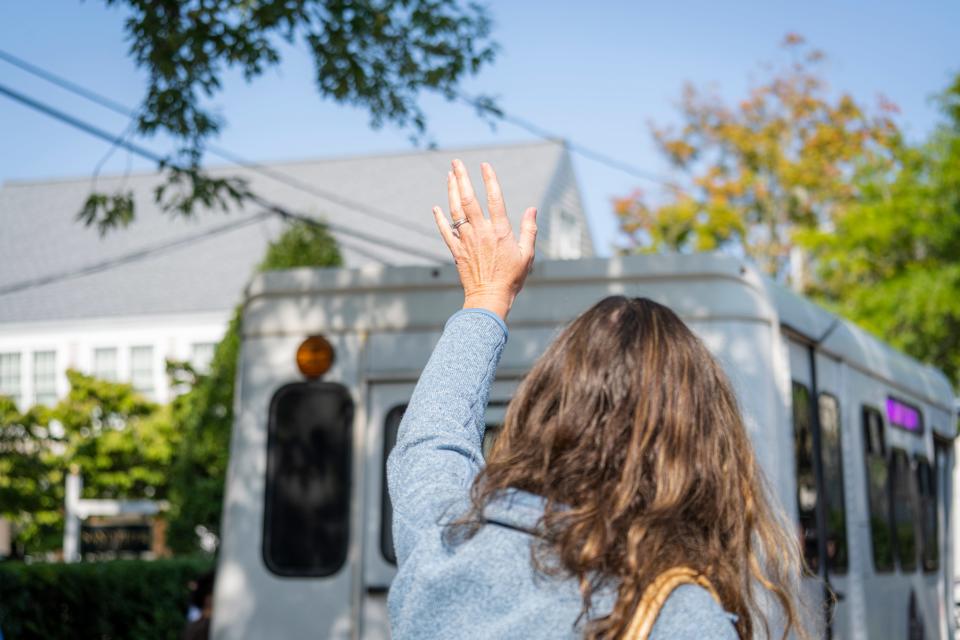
(117, 600)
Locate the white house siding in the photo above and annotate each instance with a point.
(171, 337)
(562, 218)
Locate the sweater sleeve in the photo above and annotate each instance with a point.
(439, 448)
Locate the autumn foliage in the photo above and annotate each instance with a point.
(750, 175)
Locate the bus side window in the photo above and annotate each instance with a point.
(307, 492)
(832, 457)
(904, 511)
(878, 489)
(806, 476)
(927, 493)
(943, 483)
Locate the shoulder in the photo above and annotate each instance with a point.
(691, 612)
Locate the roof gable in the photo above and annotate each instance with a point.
(386, 196)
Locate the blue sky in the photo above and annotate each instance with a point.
(595, 72)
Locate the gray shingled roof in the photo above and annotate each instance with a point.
(39, 235)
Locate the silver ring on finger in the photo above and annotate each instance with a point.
(458, 223)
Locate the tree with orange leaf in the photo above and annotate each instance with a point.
(752, 175)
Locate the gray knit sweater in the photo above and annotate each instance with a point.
(485, 587)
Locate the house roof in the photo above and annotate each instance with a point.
(202, 263)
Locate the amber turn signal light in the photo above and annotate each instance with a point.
(315, 356)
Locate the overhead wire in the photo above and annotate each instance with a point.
(106, 102)
(159, 249)
(329, 196)
(224, 154)
(155, 157)
(63, 83)
(133, 256)
(574, 146)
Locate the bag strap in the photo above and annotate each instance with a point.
(655, 596)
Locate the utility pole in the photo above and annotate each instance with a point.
(71, 528)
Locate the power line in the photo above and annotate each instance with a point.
(76, 123)
(370, 255)
(133, 256)
(155, 250)
(150, 155)
(527, 125)
(63, 83)
(360, 235)
(572, 145)
(220, 152)
(322, 193)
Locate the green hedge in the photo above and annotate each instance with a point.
(118, 600)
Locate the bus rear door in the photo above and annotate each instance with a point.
(386, 404)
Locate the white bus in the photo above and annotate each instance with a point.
(855, 438)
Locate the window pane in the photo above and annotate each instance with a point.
(927, 492)
(141, 369)
(307, 499)
(566, 236)
(10, 375)
(45, 377)
(105, 363)
(944, 482)
(904, 511)
(201, 356)
(390, 429)
(489, 437)
(832, 457)
(878, 490)
(806, 477)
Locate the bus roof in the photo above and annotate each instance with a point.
(698, 287)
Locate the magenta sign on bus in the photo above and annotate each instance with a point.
(903, 415)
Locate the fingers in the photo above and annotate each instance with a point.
(453, 198)
(446, 232)
(468, 199)
(528, 233)
(495, 204)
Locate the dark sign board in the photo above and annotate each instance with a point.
(116, 538)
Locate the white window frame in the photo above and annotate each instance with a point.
(45, 380)
(137, 368)
(201, 361)
(98, 372)
(11, 375)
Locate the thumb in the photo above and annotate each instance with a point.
(528, 232)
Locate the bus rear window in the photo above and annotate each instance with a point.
(307, 497)
(391, 428)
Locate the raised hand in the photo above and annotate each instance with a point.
(491, 261)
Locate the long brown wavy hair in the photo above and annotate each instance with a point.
(631, 431)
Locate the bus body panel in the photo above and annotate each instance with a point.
(251, 601)
(383, 324)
